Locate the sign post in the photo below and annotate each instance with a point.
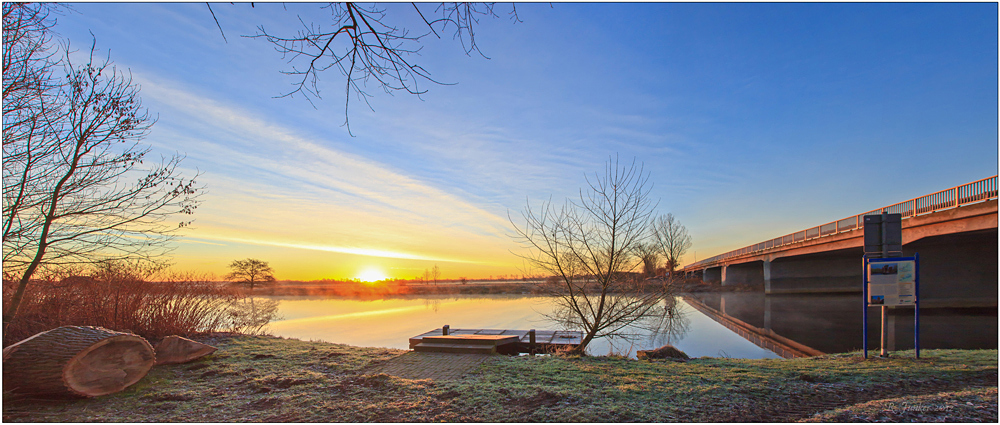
(894, 282)
(864, 305)
(890, 280)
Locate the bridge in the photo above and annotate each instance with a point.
(953, 230)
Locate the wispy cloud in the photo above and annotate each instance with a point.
(199, 241)
(265, 146)
(337, 249)
(270, 186)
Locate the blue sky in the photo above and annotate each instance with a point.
(754, 121)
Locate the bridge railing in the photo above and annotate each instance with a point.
(969, 193)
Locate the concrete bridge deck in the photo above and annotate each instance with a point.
(954, 231)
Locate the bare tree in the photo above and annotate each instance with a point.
(649, 254)
(435, 274)
(75, 187)
(672, 238)
(589, 248)
(367, 49)
(250, 272)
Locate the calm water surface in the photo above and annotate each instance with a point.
(832, 323)
(391, 322)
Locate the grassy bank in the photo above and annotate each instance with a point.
(278, 380)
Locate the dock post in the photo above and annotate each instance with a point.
(444, 330)
(531, 342)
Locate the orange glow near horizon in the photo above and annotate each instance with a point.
(478, 261)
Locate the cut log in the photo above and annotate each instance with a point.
(82, 361)
(174, 349)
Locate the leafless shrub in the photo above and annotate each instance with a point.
(132, 297)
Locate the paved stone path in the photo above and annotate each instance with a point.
(437, 366)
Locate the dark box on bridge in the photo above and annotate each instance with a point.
(893, 226)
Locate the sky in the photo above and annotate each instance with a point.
(752, 120)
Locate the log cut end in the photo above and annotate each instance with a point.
(109, 366)
(174, 349)
(76, 361)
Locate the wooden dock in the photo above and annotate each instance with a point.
(495, 341)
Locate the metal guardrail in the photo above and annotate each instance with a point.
(969, 193)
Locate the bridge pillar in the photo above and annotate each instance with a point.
(767, 277)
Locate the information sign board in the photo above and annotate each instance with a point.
(892, 282)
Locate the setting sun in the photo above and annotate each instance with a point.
(372, 275)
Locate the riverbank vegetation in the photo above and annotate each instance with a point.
(131, 297)
(266, 379)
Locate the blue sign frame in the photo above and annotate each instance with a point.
(916, 302)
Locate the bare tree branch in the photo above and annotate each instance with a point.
(76, 189)
(369, 51)
(216, 21)
(589, 248)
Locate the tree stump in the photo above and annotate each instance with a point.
(82, 361)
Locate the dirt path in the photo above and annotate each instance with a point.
(437, 366)
(828, 397)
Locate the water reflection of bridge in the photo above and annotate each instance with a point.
(762, 337)
(954, 230)
(832, 323)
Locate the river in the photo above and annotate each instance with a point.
(828, 323)
(391, 322)
(832, 323)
